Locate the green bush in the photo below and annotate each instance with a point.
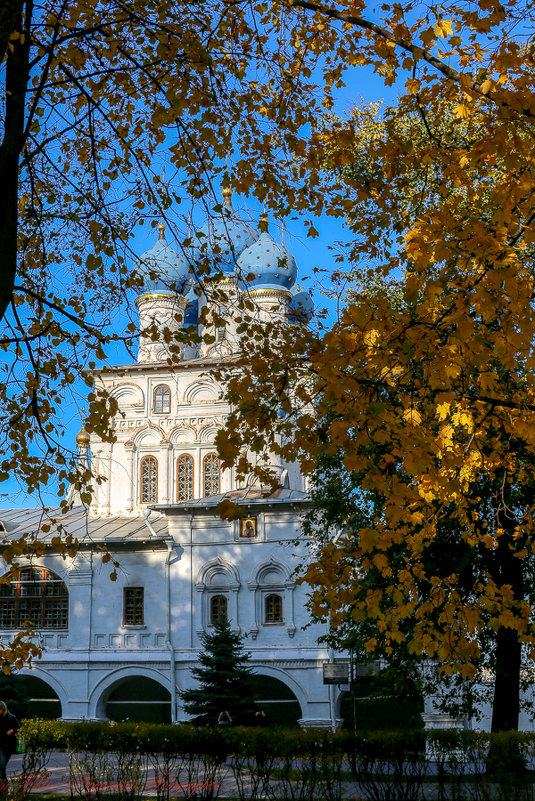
(112, 758)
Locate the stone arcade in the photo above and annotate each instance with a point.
(125, 648)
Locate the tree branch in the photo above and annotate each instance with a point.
(72, 317)
(464, 80)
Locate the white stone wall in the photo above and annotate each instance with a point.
(203, 555)
(98, 650)
(196, 414)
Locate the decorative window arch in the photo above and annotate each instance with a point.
(218, 609)
(217, 578)
(37, 595)
(272, 590)
(161, 399)
(184, 477)
(272, 608)
(149, 479)
(211, 474)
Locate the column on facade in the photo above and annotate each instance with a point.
(289, 615)
(80, 582)
(98, 494)
(233, 613)
(255, 628)
(130, 454)
(165, 449)
(106, 462)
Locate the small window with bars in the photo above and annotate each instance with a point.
(273, 608)
(184, 478)
(211, 471)
(218, 609)
(162, 400)
(133, 606)
(149, 479)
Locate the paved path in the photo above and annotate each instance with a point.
(56, 780)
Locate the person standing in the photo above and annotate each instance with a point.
(8, 743)
(224, 719)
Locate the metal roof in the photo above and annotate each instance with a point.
(129, 529)
(80, 525)
(248, 497)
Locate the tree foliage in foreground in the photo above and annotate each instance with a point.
(431, 402)
(97, 95)
(96, 91)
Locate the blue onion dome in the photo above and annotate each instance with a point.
(191, 315)
(172, 269)
(223, 239)
(266, 264)
(301, 306)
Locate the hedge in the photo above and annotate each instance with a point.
(113, 759)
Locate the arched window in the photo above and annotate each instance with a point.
(211, 474)
(162, 400)
(184, 477)
(218, 609)
(35, 595)
(273, 609)
(149, 479)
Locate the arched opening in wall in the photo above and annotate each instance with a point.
(277, 700)
(140, 699)
(29, 697)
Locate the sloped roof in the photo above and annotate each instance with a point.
(249, 496)
(86, 529)
(124, 529)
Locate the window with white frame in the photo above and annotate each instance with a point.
(161, 400)
(272, 598)
(218, 609)
(184, 477)
(148, 479)
(211, 474)
(272, 608)
(218, 585)
(133, 606)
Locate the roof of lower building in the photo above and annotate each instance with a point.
(248, 497)
(44, 524)
(83, 527)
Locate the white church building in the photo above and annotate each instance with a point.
(125, 648)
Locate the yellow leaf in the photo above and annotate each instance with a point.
(443, 410)
(443, 28)
(412, 416)
(462, 111)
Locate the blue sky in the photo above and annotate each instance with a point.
(362, 85)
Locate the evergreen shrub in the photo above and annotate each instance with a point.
(446, 765)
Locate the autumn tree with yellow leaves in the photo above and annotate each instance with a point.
(94, 91)
(97, 95)
(430, 403)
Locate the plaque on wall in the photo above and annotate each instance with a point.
(248, 527)
(335, 673)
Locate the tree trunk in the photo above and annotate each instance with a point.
(508, 654)
(506, 702)
(16, 82)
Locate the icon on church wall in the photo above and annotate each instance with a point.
(248, 527)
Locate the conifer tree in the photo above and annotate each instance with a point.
(226, 682)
